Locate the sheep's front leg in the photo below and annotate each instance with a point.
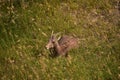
(66, 55)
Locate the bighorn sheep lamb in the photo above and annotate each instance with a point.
(62, 45)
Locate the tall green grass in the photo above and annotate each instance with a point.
(25, 27)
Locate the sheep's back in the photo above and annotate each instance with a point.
(68, 42)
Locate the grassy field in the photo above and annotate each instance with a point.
(26, 25)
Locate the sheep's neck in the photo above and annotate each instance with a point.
(58, 48)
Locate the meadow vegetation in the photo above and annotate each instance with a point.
(26, 25)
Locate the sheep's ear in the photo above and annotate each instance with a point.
(52, 33)
(59, 38)
(57, 33)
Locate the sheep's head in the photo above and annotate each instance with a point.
(51, 41)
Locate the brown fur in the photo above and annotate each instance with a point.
(63, 45)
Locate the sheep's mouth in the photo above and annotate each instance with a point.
(46, 47)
